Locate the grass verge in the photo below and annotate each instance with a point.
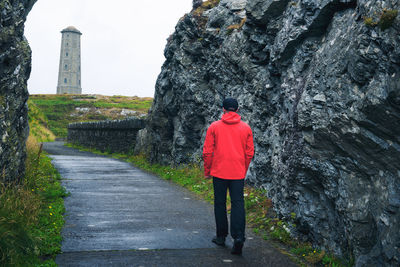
(38, 124)
(31, 214)
(259, 213)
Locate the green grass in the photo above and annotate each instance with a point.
(135, 105)
(31, 214)
(259, 213)
(38, 124)
(60, 110)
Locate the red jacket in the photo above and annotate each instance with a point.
(228, 148)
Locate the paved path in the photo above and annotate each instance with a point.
(118, 215)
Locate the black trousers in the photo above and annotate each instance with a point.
(238, 220)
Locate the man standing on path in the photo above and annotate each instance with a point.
(227, 152)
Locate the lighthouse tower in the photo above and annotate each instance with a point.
(69, 74)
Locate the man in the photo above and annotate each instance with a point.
(227, 152)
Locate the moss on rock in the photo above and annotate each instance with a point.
(387, 18)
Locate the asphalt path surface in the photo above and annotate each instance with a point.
(118, 215)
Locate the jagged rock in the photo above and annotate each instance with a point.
(196, 3)
(234, 5)
(15, 67)
(321, 91)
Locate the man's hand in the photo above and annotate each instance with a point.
(208, 177)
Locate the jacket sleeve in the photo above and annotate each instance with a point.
(249, 149)
(208, 151)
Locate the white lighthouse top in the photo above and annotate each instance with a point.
(71, 29)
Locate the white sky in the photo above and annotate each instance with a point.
(122, 44)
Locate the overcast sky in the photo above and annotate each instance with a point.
(122, 43)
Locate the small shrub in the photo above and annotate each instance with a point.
(385, 21)
(315, 257)
(330, 261)
(387, 18)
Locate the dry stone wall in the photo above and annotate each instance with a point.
(112, 136)
(15, 67)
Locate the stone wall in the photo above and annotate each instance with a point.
(112, 136)
(320, 89)
(15, 67)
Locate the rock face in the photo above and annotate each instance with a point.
(321, 91)
(15, 67)
(196, 3)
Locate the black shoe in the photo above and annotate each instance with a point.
(219, 240)
(237, 247)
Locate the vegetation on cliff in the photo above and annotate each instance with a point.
(60, 110)
(385, 21)
(206, 5)
(31, 214)
(198, 12)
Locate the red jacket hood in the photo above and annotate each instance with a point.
(228, 148)
(231, 117)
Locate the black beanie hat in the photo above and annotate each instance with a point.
(230, 104)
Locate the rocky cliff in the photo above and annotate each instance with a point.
(15, 67)
(318, 82)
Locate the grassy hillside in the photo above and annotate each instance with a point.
(60, 110)
(38, 124)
